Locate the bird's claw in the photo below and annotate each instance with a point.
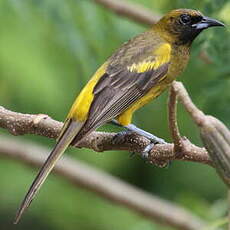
(159, 163)
(146, 151)
(119, 138)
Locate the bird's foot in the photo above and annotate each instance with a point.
(131, 127)
(146, 152)
(154, 139)
(146, 155)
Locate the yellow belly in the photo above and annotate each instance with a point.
(126, 117)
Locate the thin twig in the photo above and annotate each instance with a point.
(172, 120)
(20, 124)
(133, 11)
(107, 186)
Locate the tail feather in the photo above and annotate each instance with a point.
(71, 129)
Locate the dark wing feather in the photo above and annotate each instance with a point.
(120, 87)
(114, 93)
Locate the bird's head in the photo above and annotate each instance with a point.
(181, 26)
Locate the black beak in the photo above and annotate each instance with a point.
(207, 22)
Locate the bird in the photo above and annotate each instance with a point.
(136, 73)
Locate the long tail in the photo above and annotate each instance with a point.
(70, 130)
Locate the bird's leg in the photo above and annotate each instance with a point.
(132, 128)
(154, 139)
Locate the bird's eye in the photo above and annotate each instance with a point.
(185, 18)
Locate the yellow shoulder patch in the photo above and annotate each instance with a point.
(162, 55)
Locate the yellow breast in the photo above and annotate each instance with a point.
(126, 117)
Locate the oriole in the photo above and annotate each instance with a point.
(139, 71)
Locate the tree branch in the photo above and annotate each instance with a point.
(214, 134)
(20, 124)
(107, 186)
(135, 12)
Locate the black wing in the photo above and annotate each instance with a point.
(116, 92)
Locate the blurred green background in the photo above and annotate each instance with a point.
(48, 51)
